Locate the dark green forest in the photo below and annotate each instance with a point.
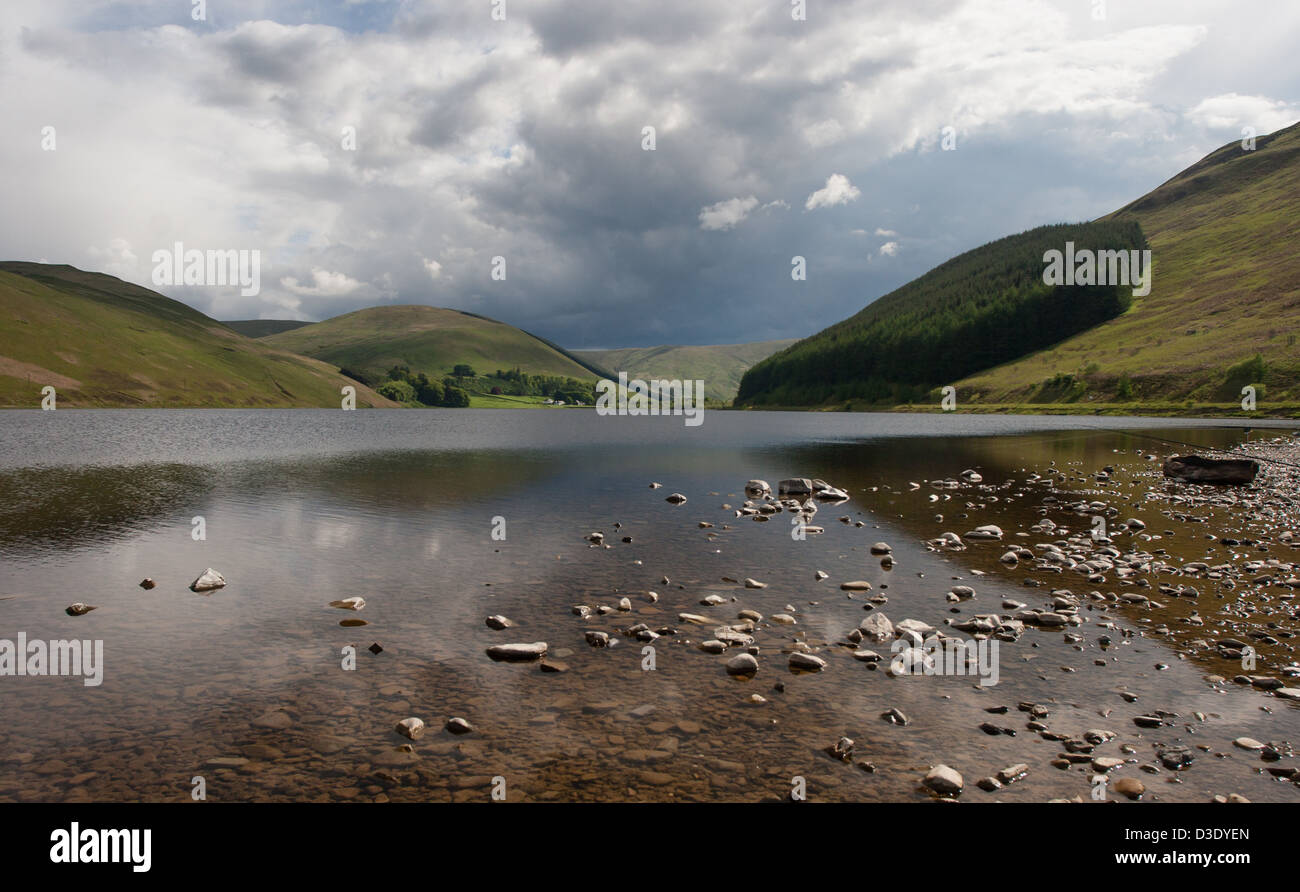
(978, 310)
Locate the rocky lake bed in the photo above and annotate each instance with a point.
(710, 628)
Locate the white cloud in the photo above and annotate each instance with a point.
(886, 233)
(726, 214)
(838, 190)
(889, 249)
(434, 268)
(324, 284)
(1232, 111)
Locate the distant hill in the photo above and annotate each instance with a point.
(1224, 236)
(431, 340)
(984, 307)
(719, 366)
(100, 341)
(260, 328)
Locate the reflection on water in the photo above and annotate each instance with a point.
(302, 508)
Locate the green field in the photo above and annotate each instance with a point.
(719, 366)
(100, 341)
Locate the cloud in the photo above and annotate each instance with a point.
(726, 214)
(1232, 111)
(522, 139)
(324, 284)
(889, 249)
(838, 190)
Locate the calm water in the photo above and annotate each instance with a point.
(305, 507)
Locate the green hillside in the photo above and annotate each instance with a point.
(261, 328)
(1223, 234)
(719, 366)
(100, 341)
(987, 306)
(428, 339)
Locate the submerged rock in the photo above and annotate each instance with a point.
(78, 609)
(349, 603)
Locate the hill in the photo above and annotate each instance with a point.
(431, 340)
(984, 307)
(1223, 235)
(260, 328)
(719, 366)
(104, 342)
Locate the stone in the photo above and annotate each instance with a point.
(1129, 787)
(858, 585)
(800, 662)
(458, 725)
(676, 499)
(877, 627)
(78, 609)
(410, 728)
(944, 781)
(349, 603)
(208, 580)
(880, 548)
(498, 622)
(795, 486)
(517, 653)
(1197, 469)
(743, 665)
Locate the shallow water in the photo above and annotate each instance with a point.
(305, 507)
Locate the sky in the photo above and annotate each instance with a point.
(390, 151)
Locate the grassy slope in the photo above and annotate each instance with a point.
(1223, 235)
(104, 342)
(427, 339)
(260, 328)
(719, 366)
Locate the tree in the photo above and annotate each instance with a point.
(463, 371)
(455, 398)
(397, 391)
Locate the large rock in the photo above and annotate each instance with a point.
(208, 580)
(756, 489)
(944, 781)
(1195, 469)
(800, 662)
(795, 486)
(877, 628)
(742, 664)
(410, 728)
(517, 653)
